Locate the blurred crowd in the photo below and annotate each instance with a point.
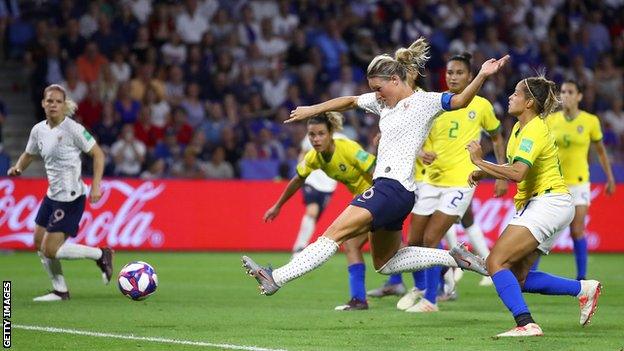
(200, 88)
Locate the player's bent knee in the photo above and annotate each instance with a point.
(49, 252)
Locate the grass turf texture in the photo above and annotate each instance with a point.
(207, 297)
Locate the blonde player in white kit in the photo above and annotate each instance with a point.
(60, 140)
(405, 120)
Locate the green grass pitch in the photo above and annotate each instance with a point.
(207, 298)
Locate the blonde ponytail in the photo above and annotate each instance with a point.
(407, 63)
(70, 107)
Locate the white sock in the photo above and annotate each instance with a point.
(451, 237)
(416, 258)
(475, 234)
(75, 251)
(311, 257)
(308, 224)
(53, 267)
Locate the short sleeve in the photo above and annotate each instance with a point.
(31, 146)
(82, 138)
(370, 103)
(595, 134)
(489, 122)
(361, 159)
(530, 146)
(307, 165)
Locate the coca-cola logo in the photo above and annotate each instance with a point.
(127, 225)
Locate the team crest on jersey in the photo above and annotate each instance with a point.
(472, 114)
(342, 167)
(579, 129)
(405, 104)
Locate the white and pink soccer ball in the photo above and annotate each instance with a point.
(137, 280)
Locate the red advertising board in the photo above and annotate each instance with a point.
(227, 215)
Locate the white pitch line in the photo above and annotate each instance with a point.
(140, 338)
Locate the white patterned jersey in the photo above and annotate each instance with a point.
(318, 179)
(60, 148)
(404, 129)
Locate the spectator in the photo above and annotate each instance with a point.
(90, 63)
(108, 128)
(268, 43)
(274, 88)
(127, 107)
(126, 24)
(156, 169)
(159, 109)
(145, 132)
(180, 127)
(107, 40)
(88, 21)
(221, 26)
(76, 89)
(218, 167)
(174, 51)
(190, 166)
(140, 47)
(90, 108)
(72, 43)
(128, 153)
(175, 86)
(407, 29)
(145, 79)
(107, 84)
(120, 69)
(248, 28)
(169, 149)
(193, 106)
(345, 86)
(298, 52)
(331, 46)
(190, 24)
(161, 25)
(141, 9)
(285, 23)
(615, 116)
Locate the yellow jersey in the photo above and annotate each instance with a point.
(349, 164)
(573, 137)
(535, 146)
(450, 134)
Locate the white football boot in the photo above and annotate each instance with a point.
(531, 329)
(423, 306)
(53, 296)
(588, 299)
(408, 300)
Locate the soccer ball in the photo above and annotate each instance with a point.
(137, 280)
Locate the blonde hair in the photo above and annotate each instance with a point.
(406, 62)
(544, 93)
(69, 105)
(333, 120)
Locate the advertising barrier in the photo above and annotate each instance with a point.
(227, 215)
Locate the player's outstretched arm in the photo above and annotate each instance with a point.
(295, 183)
(22, 163)
(338, 104)
(488, 68)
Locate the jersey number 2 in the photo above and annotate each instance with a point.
(454, 129)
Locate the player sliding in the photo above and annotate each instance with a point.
(544, 207)
(405, 120)
(60, 140)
